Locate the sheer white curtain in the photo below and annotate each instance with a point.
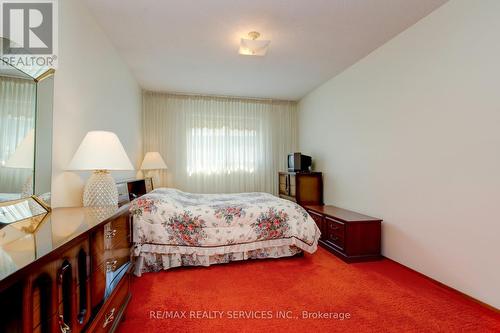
(218, 144)
(17, 119)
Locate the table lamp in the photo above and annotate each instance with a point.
(153, 161)
(100, 151)
(24, 158)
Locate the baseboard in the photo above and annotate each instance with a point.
(486, 305)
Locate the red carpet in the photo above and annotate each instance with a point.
(380, 296)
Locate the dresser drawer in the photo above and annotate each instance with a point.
(110, 314)
(335, 232)
(317, 218)
(117, 234)
(336, 241)
(110, 250)
(111, 245)
(114, 260)
(319, 222)
(335, 227)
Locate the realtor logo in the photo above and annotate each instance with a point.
(28, 26)
(29, 31)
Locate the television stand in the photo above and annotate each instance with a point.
(304, 188)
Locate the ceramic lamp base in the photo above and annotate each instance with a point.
(100, 190)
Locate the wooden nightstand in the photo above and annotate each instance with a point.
(130, 189)
(351, 236)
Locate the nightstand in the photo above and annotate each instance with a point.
(128, 190)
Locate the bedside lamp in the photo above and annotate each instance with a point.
(101, 152)
(153, 161)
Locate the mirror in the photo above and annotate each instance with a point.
(25, 214)
(26, 97)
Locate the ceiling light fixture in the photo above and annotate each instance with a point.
(253, 46)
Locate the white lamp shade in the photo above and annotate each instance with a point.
(24, 156)
(153, 161)
(100, 150)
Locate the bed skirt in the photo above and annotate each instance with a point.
(154, 258)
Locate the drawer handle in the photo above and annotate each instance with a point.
(62, 271)
(108, 319)
(60, 278)
(111, 265)
(111, 233)
(63, 326)
(334, 227)
(335, 238)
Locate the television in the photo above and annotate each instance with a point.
(298, 162)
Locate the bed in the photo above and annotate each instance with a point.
(172, 228)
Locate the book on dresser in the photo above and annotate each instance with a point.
(304, 188)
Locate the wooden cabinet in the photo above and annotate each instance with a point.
(81, 281)
(304, 188)
(351, 236)
(128, 190)
(73, 275)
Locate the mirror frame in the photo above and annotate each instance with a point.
(44, 75)
(26, 223)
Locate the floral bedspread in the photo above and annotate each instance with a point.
(174, 228)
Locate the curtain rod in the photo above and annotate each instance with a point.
(168, 93)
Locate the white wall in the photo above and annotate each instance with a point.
(94, 90)
(411, 134)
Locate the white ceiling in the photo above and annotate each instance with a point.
(191, 46)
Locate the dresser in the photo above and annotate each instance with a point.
(351, 236)
(69, 274)
(304, 188)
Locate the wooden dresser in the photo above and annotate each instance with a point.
(304, 188)
(351, 236)
(71, 274)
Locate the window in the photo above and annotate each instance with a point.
(221, 150)
(217, 144)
